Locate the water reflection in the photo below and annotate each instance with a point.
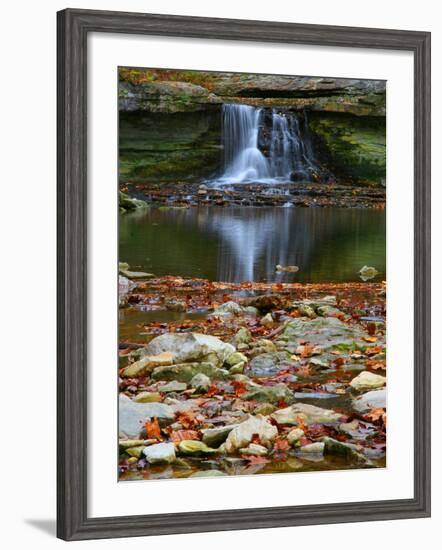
(238, 244)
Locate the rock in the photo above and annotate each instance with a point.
(191, 347)
(329, 311)
(294, 436)
(268, 364)
(243, 336)
(267, 302)
(309, 414)
(306, 310)
(214, 437)
(267, 321)
(132, 416)
(287, 268)
(193, 447)
(128, 443)
(263, 346)
(148, 397)
(129, 204)
(238, 368)
(137, 274)
(208, 473)
(265, 409)
(229, 308)
(367, 381)
(371, 400)
(173, 386)
(176, 306)
(254, 450)
(125, 286)
(147, 364)
(366, 273)
(334, 447)
(324, 332)
(235, 358)
(200, 382)
(184, 372)
(161, 453)
(316, 448)
(270, 394)
(135, 451)
(242, 435)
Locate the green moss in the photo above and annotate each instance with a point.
(352, 147)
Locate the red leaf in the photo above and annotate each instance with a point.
(153, 429)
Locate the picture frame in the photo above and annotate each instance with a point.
(73, 28)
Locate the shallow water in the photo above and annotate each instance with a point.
(235, 244)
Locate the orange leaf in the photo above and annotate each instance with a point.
(213, 390)
(239, 387)
(183, 435)
(375, 414)
(187, 419)
(256, 459)
(153, 429)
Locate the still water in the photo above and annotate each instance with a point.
(235, 244)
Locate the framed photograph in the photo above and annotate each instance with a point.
(243, 274)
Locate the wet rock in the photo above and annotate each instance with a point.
(191, 347)
(366, 273)
(315, 448)
(148, 397)
(371, 400)
(324, 332)
(294, 436)
(125, 286)
(136, 274)
(132, 416)
(334, 447)
(229, 308)
(254, 450)
(328, 311)
(173, 386)
(194, 448)
(209, 473)
(235, 358)
(184, 372)
(243, 434)
(265, 409)
(176, 306)
(161, 453)
(135, 451)
(147, 364)
(129, 204)
(214, 437)
(367, 381)
(267, 321)
(243, 336)
(270, 394)
(268, 364)
(263, 346)
(267, 302)
(200, 382)
(309, 414)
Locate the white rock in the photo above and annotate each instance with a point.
(309, 414)
(132, 416)
(160, 453)
(242, 435)
(254, 450)
(294, 436)
(371, 400)
(367, 381)
(317, 447)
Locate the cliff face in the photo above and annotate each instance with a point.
(170, 121)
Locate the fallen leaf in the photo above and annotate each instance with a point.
(183, 435)
(153, 429)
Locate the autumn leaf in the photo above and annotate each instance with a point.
(183, 435)
(375, 414)
(239, 387)
(339, 361)
(256, 459)
(370, 339)
(153, 429)
(213, 390)
(187, 419)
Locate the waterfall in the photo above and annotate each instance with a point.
(243, 161)
(289, 156)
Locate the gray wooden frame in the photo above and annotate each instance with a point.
(73, 28)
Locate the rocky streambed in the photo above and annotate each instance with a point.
(224, 379)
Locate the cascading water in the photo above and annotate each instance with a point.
(290, 153)
(243, 161)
